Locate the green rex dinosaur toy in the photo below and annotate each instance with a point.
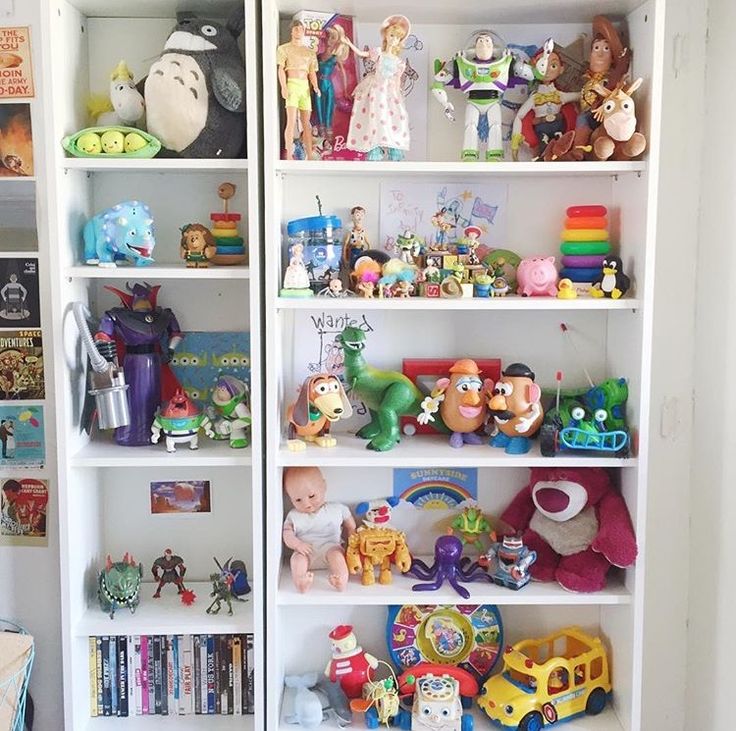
(388, 395)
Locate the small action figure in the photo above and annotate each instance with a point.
(297, 70)
(335, 290)
(509, 562)
(349, 665)
(180, 421)
(234, 573)
(231, 412)
(119, 585)
(472, 526)
(516, 408)
(471, 240)
(379, 123)
(169, 569)
(408, 246)
(197, 245)
(484, 81)
(314, 529)
(356, 241)
(376, 543)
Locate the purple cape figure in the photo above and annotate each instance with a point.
(141, 325)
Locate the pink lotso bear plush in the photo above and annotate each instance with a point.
(578, 525)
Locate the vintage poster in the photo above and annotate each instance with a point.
(22, 441)
(23, 506)
(21, 365)
(203, 356)
(19, 300)
(16, 140)
(439, 212)
(174, 497)
(16, 64)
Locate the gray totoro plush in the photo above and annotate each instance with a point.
(195, 92)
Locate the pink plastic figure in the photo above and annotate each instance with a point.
(537, 277)
(379, 123)
(313, 529)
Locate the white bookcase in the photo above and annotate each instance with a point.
(104, 488)
(615, 338)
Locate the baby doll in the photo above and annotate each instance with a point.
(313, 529)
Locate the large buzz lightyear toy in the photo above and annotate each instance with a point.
(484, 81)
(230, 412)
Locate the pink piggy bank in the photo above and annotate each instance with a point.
(537, 277)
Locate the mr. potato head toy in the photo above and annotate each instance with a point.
(515, 405)
(460, 402)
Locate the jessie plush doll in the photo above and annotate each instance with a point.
(577, 523)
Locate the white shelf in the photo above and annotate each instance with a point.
(510, 302)
(158, 271)
(606, 721)
(17, 179)
(168, 615)
(429, 450)
(456, 169)
(209, 454)
(154, 164)
(400, 592)
(179, 723)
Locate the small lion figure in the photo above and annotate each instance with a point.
(198, 245)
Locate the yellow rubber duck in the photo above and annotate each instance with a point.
(566, 290)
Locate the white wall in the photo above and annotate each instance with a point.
(712, 632)
(29, 577)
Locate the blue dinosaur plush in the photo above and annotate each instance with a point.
(195, 92)
(123, 232)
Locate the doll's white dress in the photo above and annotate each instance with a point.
(296, 276)
(379, 117)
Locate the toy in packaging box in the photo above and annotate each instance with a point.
(337, 74)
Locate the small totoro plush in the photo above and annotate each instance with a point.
(195, 92)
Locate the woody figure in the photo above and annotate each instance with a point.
(297, 66)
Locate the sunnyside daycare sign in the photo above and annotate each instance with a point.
(16, 74)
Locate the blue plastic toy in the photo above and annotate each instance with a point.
(307, 705)
(121, 233)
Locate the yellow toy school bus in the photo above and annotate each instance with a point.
(548, 680)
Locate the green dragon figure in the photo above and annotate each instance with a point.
(387, 394)
(119, 585)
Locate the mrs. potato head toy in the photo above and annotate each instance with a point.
(516, 408)
(459, 399)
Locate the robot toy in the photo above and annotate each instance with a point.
(509, 562)
(484, 81)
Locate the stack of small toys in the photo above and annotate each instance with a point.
(584, 244)
(230, 244)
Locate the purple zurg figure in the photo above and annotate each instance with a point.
(141, 325)
(449, 566)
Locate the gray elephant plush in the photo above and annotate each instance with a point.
(195, 92)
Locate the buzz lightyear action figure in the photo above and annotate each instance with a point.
(231, 414)
(484, 81)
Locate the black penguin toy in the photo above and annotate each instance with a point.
(611, 282)
(195, 92)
